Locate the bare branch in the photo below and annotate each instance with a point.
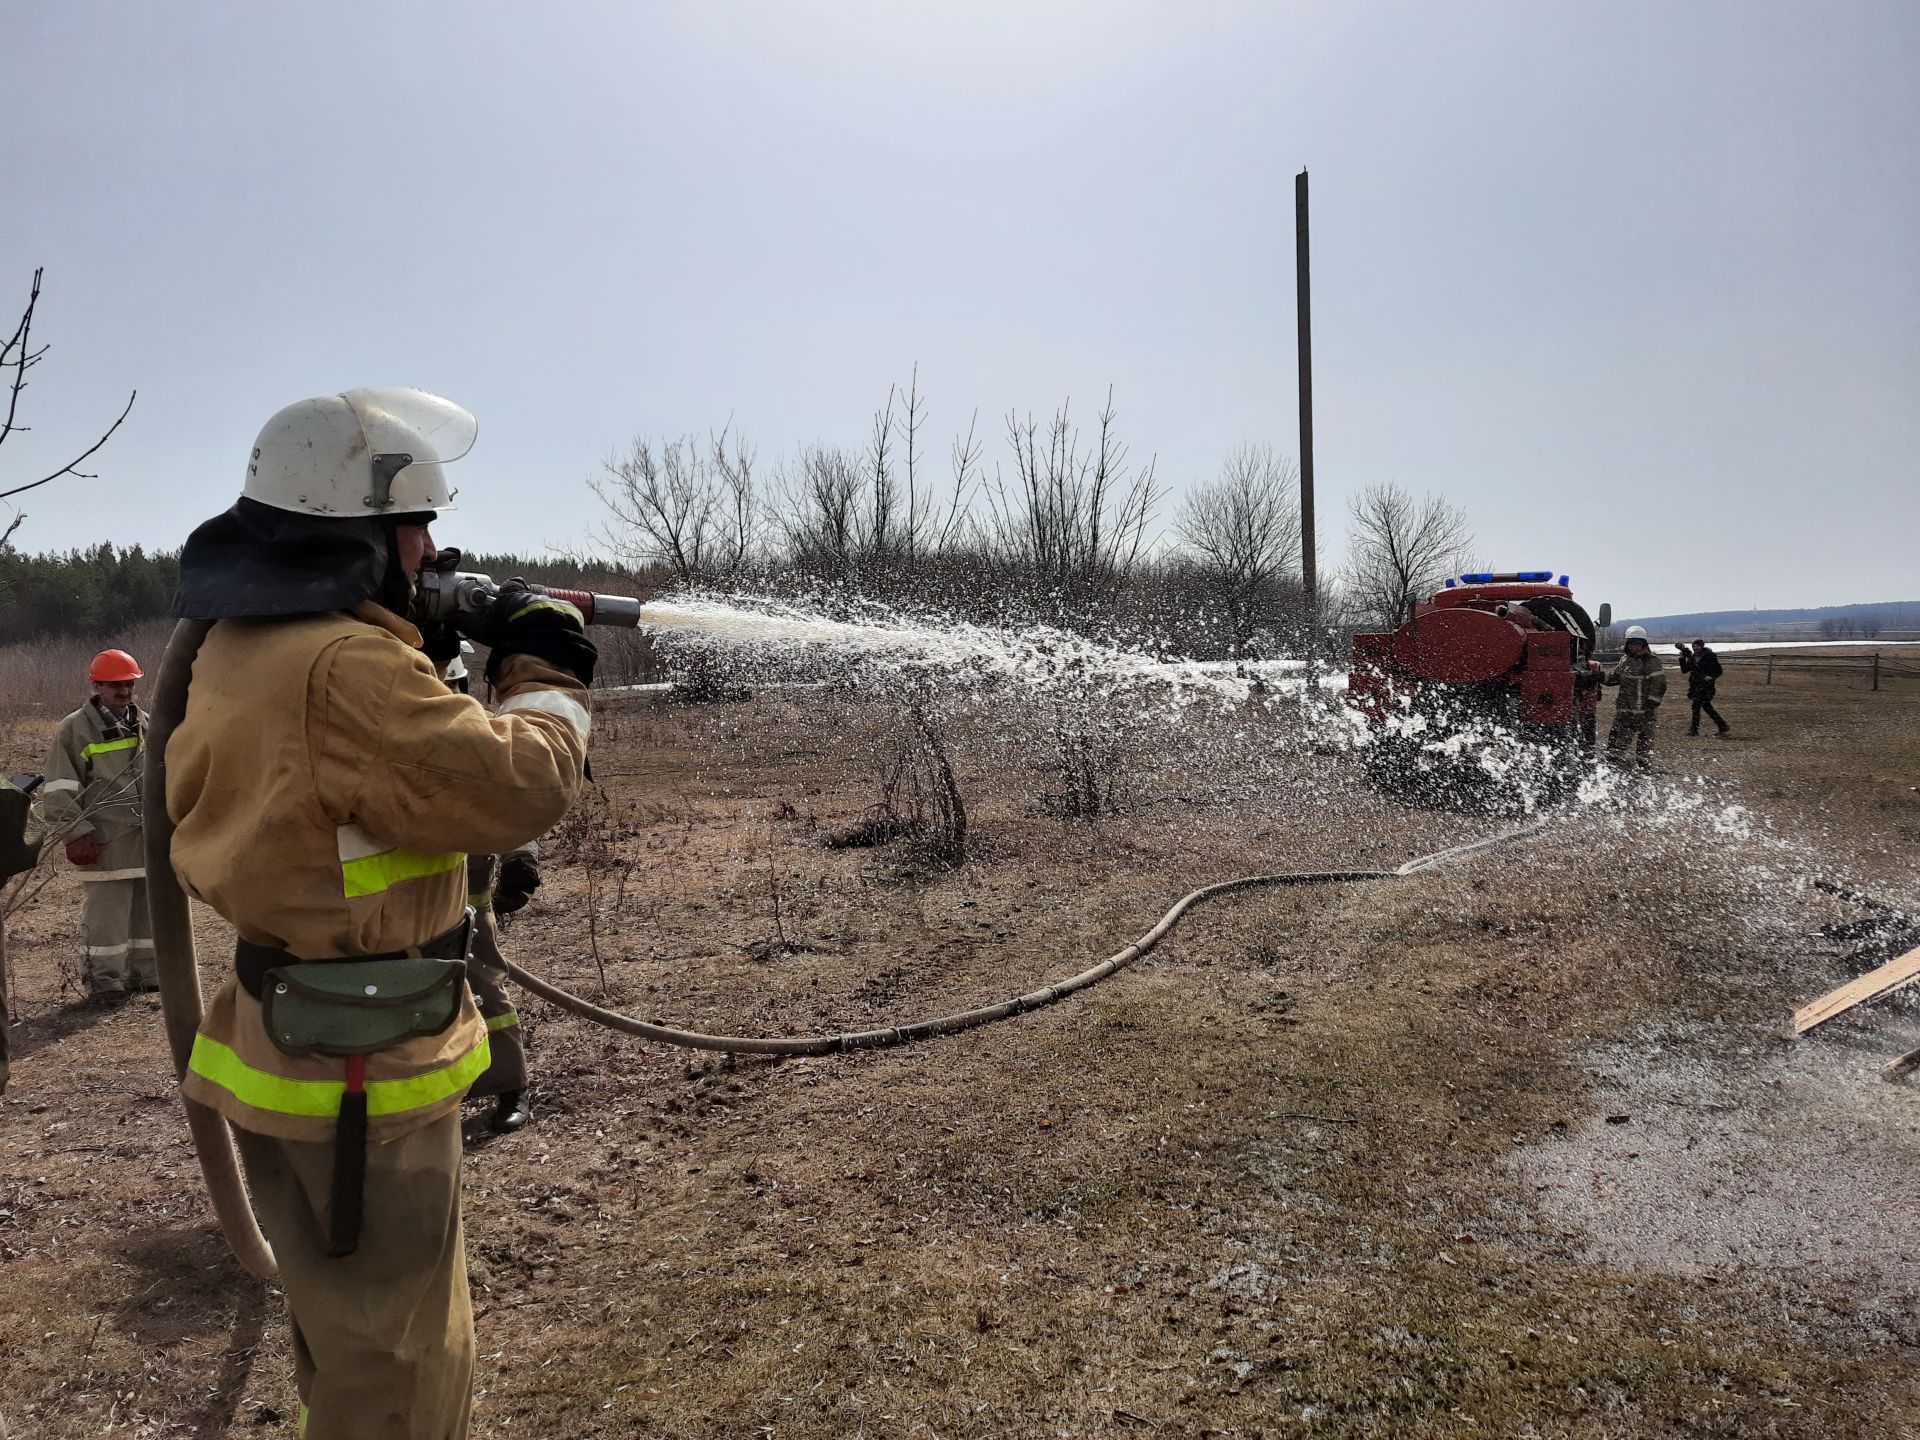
(69, 467)
(19, 356)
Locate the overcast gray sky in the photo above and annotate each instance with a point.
(1636, 285)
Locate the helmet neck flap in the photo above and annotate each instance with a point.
(260, 561)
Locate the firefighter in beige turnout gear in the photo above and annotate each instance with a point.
(496, 885)
(499, 885)
(326, 788)
(1642, 679)
(90, 802)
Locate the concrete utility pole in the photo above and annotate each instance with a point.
(1309, 570)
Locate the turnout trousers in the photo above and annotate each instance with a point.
(1701, 693)
(1637, 730)
(487, 975)
(382, 1338)
(119, 935)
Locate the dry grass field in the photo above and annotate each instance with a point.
(1520, 1146)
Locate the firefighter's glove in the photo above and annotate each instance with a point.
(440, 643)
(84, 850)
(522, 621)
(519, 878)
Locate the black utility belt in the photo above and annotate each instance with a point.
(251, 962)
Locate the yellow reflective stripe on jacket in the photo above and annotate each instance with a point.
(501, 1022)
(371, 874)
(101, 747)
(369, 865)
(263, 1090)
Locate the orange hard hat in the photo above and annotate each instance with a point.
(112, 665)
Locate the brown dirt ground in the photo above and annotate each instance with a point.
(1516, 1147)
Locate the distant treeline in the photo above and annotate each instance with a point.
(97, 592)
(1887, 618)
(105, 590)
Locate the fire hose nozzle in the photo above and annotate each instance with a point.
(453, 594)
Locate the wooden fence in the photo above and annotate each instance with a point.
(1873, 669)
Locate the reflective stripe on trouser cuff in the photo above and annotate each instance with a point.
(300, 1419)
(368, 866)
(132, 872)
(501, 1022)
(217, 1063)
(58, 787)
(110, 949)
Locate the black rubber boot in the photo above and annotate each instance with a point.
(510, 1112)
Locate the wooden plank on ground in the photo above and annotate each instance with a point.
(1870, 986)
(1904, 1065)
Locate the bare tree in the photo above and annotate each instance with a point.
(884, 539)
(1399, 549)
(675, 504)
(823, 518)
(1076, 518)
(1243, 531)
(846, 515)
(19, 355)
(930, 529)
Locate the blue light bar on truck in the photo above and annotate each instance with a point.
(1527, 577)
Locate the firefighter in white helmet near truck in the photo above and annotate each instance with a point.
(326, 786)
(1642, 679)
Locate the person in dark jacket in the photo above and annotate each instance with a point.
(1703, 670)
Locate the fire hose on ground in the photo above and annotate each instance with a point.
(960, 1020)
(184, 1006)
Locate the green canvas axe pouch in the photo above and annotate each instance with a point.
(355, 1007)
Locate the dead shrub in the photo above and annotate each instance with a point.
(920, 803)
(592, 835)
(1089, 764)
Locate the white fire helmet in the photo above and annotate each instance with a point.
(362, 452)
(1634, 632)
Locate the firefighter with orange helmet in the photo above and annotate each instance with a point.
(91, 803)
